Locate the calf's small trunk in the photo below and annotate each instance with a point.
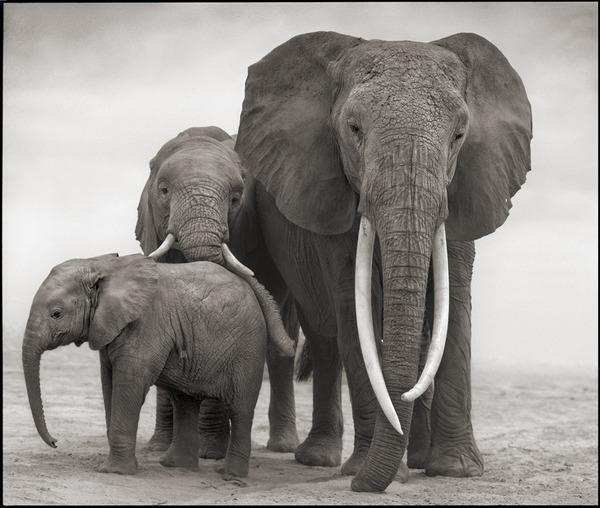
(31, 368)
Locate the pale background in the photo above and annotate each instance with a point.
(91, 92)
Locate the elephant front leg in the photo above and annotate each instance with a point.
(213, 427)
(323, 446)
(364, 403)
(163, 429)
(128, 393)
(283, 436)
(106, 378)
(419, 440)
(453, 449)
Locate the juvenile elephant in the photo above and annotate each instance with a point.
(194, 329)
(197, 201)
(366, 153)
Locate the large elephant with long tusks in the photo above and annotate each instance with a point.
(198, 205)
(378, 164)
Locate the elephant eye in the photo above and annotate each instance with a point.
(163, 189)
(354, 128)
(456, 139)
(56, 314)
(235, 200)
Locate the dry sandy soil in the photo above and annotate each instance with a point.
(538, 433)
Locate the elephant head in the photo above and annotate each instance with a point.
(192, 197)
(83, 300)
(409, 136)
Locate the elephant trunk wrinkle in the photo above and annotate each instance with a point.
(31, 355)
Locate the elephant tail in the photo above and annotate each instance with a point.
(304, 363)
(276, 330)
(289, 314)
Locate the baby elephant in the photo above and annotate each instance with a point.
(195, 329)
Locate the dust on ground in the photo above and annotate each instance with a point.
(538, 432)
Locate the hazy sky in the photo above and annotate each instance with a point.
(91, 92)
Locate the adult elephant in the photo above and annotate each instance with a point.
(353, 140)
(197, 201)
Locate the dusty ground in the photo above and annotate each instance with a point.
(538, 434)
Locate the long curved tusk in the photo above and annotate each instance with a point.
(364, 320)
(164, 247)
(441, 288)
(234, 263)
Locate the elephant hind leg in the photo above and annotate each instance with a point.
(183, 451)
(163, 429)
(213, 427)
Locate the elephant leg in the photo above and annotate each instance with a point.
(364, 403)
(419, 439)
(183, 451)
(238, 452)
(128, 393)
(283, 436)
(163, 428)
(323, 446)
(453, 449)
(106, 378)
(213, 427)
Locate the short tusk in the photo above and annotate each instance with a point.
(233, 262)
(364, 320)
(441, 288)
(164, 247)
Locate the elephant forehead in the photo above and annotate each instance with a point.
(198, 161)
(405, 65)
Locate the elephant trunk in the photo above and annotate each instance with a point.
(405, 204)
(32, 352)
(198, 243)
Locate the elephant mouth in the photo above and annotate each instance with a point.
(230, 260)
(79, 342)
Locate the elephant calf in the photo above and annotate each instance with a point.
(195, 329)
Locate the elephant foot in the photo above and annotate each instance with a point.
(286, 441)
(159, 442)
(354, 462)
(179, 458)
(235, 467)
(122, 466)
(213, 446)
(457, 461)
(320, 451)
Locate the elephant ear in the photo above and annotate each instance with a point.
(286, 139)
(145, 230)
(125, 287)
(495, 157)
(244, 230)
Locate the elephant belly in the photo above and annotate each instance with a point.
(187, 377)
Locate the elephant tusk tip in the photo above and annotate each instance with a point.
(409, 396)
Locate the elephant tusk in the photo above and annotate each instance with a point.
(441, 288)
(164, 247)
(364, 320)
(234, 263)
